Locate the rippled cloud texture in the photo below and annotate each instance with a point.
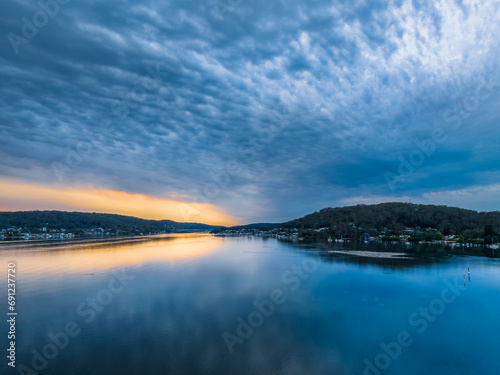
(377, 101)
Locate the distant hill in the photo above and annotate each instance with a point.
(398, 216)
(72, 221)
(256, 226)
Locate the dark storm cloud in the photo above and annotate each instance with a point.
(188, 87)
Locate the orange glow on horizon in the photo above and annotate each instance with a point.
(23, 196)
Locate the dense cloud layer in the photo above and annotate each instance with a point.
(288, 106)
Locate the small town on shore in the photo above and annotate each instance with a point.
(46, 233)
(408, 236)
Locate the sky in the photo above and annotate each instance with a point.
(239, 111)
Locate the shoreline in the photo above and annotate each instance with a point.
(89, 240)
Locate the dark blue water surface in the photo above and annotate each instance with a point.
(198, 304)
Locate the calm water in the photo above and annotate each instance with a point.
(197, 304)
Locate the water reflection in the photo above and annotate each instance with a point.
(81, 257)
(187, 292)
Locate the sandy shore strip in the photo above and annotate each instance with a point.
(372, 254)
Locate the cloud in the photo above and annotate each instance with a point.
(17, 195)
(480, 198)
(185, 88)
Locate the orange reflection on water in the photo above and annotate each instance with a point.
(98, 257)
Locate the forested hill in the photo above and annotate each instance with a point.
(398, 216)
(72, 221)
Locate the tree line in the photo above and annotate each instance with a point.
(73, 221)
(395, 218)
